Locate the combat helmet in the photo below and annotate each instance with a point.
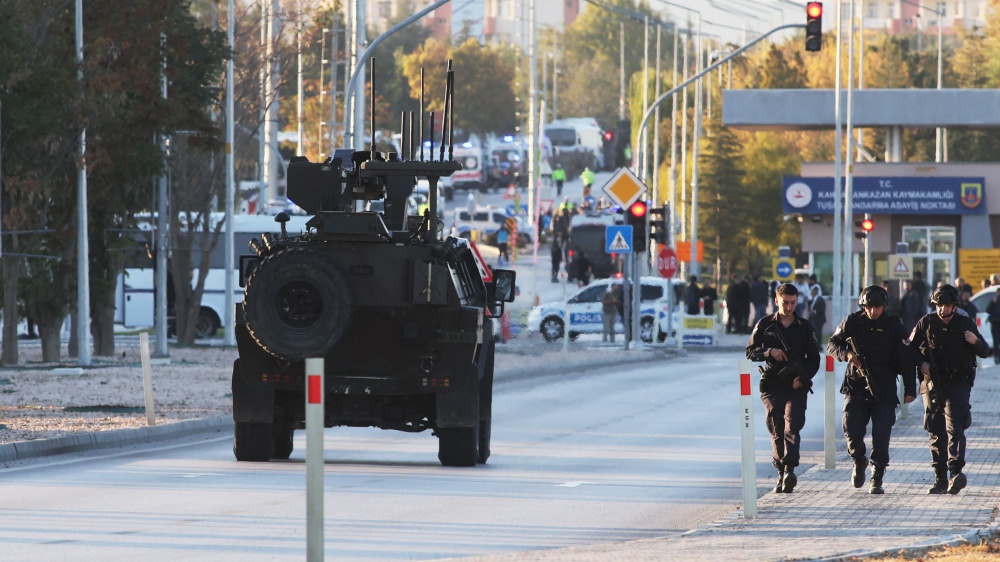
(945, 294)
(873, 295)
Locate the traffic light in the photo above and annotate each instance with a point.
(866, 225)
(608, 148)
(636, 216)
(814, 26)
(658, 224)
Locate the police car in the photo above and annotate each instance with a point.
(982, 300)
(586, 315)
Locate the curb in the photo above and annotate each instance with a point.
(21, 450)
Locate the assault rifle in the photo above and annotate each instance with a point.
(864, 371)
(934, 388)
(794, 367)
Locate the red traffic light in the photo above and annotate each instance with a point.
(867, 225)
(814, 26)
(638, 209)
(608, 135)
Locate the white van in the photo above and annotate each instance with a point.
(577, 134)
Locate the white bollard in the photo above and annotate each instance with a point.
(904, 408)
(829, 418)
(147, 378)
(314, 459)
(747, 443)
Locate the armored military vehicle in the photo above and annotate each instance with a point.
(398, 312)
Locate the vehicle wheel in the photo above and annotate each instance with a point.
(297, 304)
(281, 440)
(207, 324)
(646, 329)
(252, 442)
(661, 336)
(458, 446)
(552, 328)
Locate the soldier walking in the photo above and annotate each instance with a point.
(871, 341)
(786, 343)
(948, 344)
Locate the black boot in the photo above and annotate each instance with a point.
(789, 481)
(940, 482)
(778, 488)
(875, 486)
(858, 474)
(958, 481)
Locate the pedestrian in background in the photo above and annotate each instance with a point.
(993, 310)
(587, 176)
(609, 308)
(910, 307)
(802, 286)
(967, 305)
(783, 387)
(893, 307)
(692, 297)
(744, 305)
(759, 298)
(502, 237)
(559, 176)
(922, 290)
(708, 297)
(948, 344)
(879, 339)
(817, 313)
(557, 255)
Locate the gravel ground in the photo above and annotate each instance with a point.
(37, 404)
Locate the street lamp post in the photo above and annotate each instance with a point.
(939, 133)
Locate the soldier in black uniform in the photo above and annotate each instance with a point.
(786, 378)
(948, 344)
(879, 338)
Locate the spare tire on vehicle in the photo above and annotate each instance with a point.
(297, 304)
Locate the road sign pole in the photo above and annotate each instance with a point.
(636, 292)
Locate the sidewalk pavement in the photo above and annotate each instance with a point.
(825, 518)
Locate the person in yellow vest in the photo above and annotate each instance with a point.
(588, 180)
(559, 176)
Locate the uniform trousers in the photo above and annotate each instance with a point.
(858, 411)
(947, 426)
(786, 415)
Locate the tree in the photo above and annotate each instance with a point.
(722, 200)
(484, 99)
(38, 93)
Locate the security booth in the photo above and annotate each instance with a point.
(944, 211)
(939, 210)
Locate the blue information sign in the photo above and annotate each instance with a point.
(783, 269)
(881, 195)
(618, 239)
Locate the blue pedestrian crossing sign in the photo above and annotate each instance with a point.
(784, 269)
(618, 239)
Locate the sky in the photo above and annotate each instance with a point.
(726, 19)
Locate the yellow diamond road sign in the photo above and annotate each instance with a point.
(624, 188)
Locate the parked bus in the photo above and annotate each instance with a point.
(135, 295)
